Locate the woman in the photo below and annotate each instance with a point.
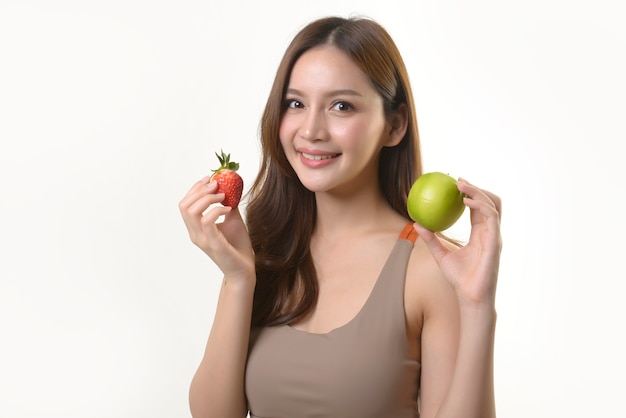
(333, 303)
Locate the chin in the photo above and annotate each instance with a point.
(314, 186)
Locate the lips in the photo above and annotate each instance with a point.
(318, 157)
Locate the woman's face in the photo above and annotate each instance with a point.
(334, 126)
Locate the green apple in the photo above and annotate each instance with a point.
(435, 202)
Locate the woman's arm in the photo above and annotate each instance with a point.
(472, 386)
(462, 372)
(457, 363)
(217, 388)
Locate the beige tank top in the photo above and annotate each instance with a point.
(362, 369)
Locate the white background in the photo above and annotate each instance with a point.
(110, 111)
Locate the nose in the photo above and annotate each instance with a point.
(313, 126)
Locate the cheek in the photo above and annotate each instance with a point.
(283, 135)
(348, 133)
(361, 135)
(286, 131)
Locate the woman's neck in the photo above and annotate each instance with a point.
(361, 212)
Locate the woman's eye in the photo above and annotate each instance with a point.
(343, 106)
(294, 104)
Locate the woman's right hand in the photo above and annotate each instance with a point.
(227, 243)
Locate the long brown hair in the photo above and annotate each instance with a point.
(281, 212)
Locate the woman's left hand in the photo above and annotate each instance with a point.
(473, 269)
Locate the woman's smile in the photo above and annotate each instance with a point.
(318, 157)
(317, 160)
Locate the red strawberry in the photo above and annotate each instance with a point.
(228, 181)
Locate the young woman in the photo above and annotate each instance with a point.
(333, 303)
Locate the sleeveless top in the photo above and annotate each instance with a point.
(361, 369)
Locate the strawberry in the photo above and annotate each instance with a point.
(228, 181)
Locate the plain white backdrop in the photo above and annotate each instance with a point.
(110, 111)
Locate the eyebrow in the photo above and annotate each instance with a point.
(340, 92)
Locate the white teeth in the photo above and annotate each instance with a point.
(318, 157)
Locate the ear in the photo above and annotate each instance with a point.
(397, 125)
